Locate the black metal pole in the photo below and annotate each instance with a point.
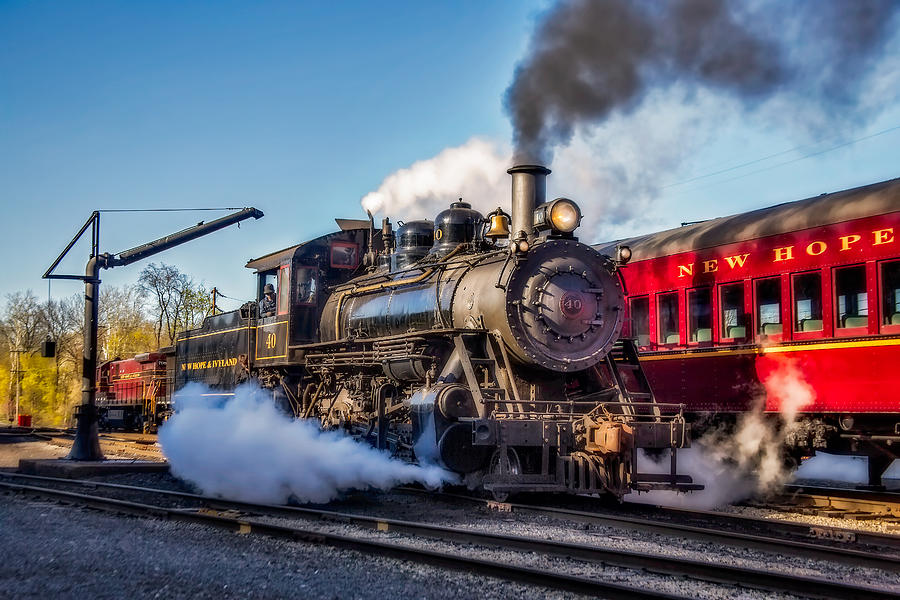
(87, 440)
(191, 233)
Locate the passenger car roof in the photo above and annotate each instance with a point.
(825, 209)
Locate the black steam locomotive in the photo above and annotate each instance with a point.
(489, 345)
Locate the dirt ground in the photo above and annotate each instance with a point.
(11, 452)
(15, 448)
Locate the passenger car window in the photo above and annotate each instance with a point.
(668, 318)
(700, 315)
(768, 306)
(890, 292)
(851, 296)
(807, 302)
(640, 320)
(734, 319)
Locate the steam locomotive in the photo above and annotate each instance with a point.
(488, 345)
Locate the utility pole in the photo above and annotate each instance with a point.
(9, 399)
(215, 291)
(15, 374)
(18, 354)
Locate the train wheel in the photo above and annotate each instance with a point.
(511, 465)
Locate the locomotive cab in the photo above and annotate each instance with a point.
(301, 274)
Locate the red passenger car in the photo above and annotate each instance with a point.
(807, 292)
(134, 394)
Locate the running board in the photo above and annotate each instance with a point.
(641, 486)
(645, 482)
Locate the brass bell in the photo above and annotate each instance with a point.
(499, 225)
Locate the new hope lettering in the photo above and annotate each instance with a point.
(209, 364)
(844, 243)
(712, 266)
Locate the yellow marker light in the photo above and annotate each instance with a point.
(564, 215)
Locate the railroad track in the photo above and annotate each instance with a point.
(17, 432)
(238, 518)
(139, 444)
(51, 434)
(843, 503)
(852, 547)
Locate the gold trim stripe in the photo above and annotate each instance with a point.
(194, 337)
(772, 350)
(833, 345)
(694, 354)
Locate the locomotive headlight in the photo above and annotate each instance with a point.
(623, 254)
(561, 215)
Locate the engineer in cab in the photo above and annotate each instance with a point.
(267, 304)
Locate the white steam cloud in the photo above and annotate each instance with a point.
(475, 171)
(612, 171)
(830, 467)
(736, 464)
(246, 449)
(618, 170)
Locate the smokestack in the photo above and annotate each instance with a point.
(529, 190)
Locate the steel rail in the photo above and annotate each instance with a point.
(662, 565)
(570, 583)
(842, 554)
(868, 501)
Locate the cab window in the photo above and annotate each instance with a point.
(700, 315)
(284, 283)
(668, 318)
(890, 292)
(267, 278)
(807, 302)
(734, 319)
(344, 255)
(852, 299)
(307, 287)
(640, 320)
(268, 306)
(768, 306)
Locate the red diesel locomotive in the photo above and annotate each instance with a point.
(813, 286)
(135, 393)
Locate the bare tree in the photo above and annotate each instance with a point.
(196, 306)
(23, 324)
(63, 320)
(178, 303)
(124, 327)
(21, 329)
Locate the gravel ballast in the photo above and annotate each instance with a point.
(54, 551)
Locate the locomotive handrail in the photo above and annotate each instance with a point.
(389, 284)
(636, 406)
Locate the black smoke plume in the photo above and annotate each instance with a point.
(589, 58)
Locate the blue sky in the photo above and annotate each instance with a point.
(299, 109)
